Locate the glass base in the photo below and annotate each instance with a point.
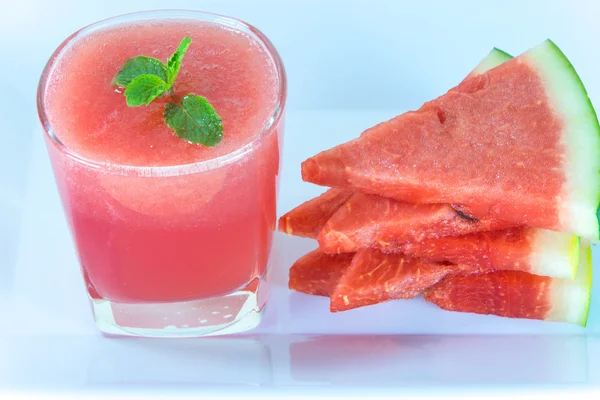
(233, 313)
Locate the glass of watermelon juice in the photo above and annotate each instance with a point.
(173, 238)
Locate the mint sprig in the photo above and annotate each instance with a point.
(145, 78)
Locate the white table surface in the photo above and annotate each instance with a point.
(351, 64)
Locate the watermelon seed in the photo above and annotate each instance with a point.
(441, 116)
(465, 216)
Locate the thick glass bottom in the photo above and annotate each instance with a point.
(233, 313)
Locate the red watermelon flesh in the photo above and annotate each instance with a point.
(517, 294)
(510, 294)
(317, 273)
(504, 144)
(532, 250)
(308, 218)
(370, 221)
(374, 277)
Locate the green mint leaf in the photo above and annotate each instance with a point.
(141, 65)
(174, 62)
(195, 120)
(143, 89)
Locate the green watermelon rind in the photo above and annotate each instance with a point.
(590, 272)
(570, 299)
(555, 254)
(564, 88)
(492, 60)
(576, 255)
(501, 54)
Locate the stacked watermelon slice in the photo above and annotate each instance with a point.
(483, 200)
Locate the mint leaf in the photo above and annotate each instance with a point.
(174, 62)
(143, 89)
(140, 65)
(195, 120)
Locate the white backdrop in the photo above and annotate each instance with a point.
(379, 57)
(339, 53)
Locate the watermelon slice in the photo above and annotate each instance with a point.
(371, 277)
(439, 233)
(517, 294)
(317, 273)
(370, 221)
(374, 277)
(519, 143)
(308, 218)
(537, 251)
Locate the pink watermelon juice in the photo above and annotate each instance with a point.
(156, 218)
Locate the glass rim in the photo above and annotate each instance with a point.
(273, 119)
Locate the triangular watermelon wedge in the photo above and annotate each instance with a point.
(370, 277)
(537, 251)
(438, 233)
(375, 277)
(308, 219)
(370, 221)
(519, 143)
(517, 294)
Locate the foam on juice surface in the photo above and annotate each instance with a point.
(90, 115)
